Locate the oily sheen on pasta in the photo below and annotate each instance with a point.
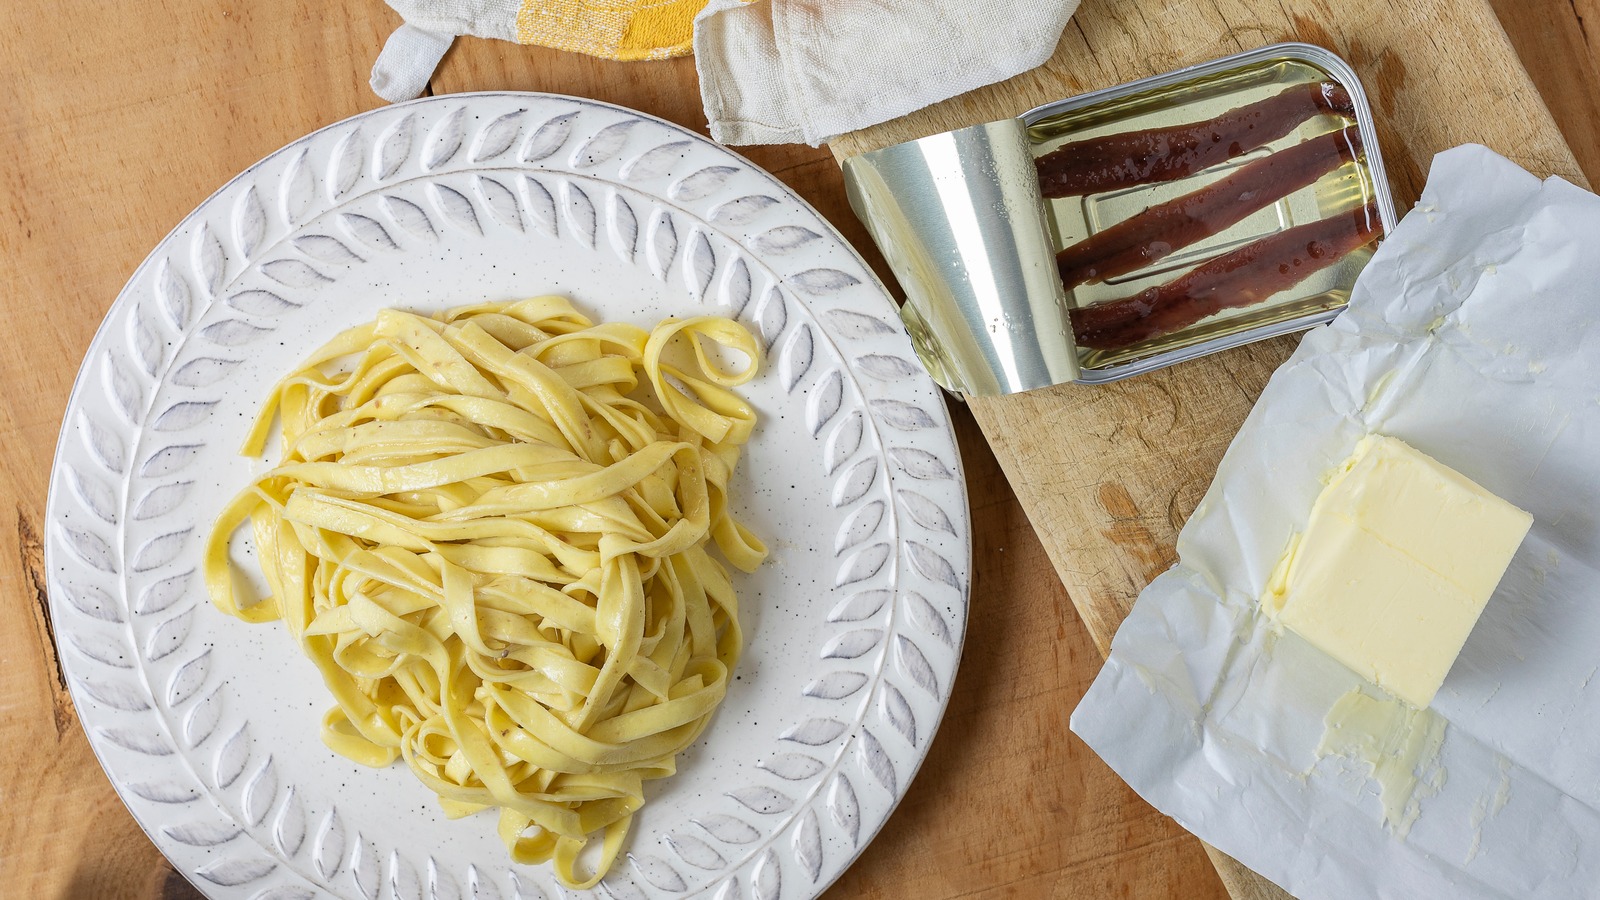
(489, 530)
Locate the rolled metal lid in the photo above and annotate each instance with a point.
(961, 222)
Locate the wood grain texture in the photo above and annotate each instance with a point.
(1108, 475)
(125, 117)
(1559, 42)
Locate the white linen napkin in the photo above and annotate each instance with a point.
(789, 71)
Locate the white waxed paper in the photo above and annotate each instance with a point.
(1473, 335)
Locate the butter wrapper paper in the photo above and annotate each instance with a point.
(1473, 335)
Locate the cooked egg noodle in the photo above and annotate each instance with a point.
(487, 531)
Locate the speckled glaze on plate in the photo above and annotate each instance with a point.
(208, 726)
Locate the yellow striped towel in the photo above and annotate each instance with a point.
(611, 29)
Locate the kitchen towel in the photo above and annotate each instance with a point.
(771, 71)
(803, 71)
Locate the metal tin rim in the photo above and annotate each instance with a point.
(1320, 57)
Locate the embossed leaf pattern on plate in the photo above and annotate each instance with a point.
(159, 694)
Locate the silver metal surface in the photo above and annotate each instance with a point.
(960, 220)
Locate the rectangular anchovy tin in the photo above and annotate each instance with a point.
(962, 220)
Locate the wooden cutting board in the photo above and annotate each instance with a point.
(1109, 474)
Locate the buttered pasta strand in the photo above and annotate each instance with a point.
(489, 532)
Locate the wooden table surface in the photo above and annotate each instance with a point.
(127, 116)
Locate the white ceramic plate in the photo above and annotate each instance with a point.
(208, 726)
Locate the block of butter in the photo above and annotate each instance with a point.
(1396, 562)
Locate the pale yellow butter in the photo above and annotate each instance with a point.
(1397, 560)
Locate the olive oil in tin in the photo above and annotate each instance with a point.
(1211, 106)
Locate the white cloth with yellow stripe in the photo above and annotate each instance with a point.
(771, 71)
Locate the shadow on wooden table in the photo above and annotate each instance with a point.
(98, 876)
(1009, 802)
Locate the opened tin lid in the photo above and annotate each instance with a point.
(960, 219)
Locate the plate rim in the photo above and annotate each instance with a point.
(126, 296)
